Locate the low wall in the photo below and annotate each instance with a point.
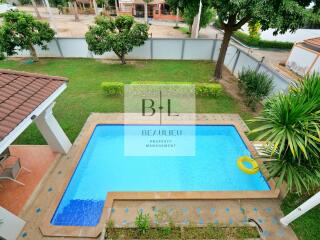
(173, 49)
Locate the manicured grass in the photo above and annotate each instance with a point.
(307, 226)
(207, 232)
(84, 94)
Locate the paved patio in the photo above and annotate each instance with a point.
(38, 159)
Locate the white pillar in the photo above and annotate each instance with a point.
(52, 132)
(303, 208)
(196, 23)
(95, 7)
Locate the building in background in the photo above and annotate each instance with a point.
(304, 57)
(157, 9)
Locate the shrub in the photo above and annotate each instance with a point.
(290, 123)
(208, 89)
(257, 42)
(112, 88)
(255, 86)
(142, 222)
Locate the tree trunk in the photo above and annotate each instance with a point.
(123, 59)
(75, 9)
(33, 53)
(146, 12)
(222, 54)
(35, 8)
(190, 29)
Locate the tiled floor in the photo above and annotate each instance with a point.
(38, 160)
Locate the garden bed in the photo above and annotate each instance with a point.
(207, 232)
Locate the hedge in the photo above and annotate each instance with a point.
(113, 88)
(201, 89)
(259, 43)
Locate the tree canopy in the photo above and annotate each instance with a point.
(21, 31)
(119, 35)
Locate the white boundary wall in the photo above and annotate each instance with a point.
(174, 49)
(303, 61)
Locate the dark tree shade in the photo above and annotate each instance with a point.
(21, 31)
(119, 35)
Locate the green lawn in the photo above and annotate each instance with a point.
(84, 94)
(307, 226)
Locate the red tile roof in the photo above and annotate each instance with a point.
(20, 94)
(313, 41)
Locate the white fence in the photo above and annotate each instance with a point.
(175, 49)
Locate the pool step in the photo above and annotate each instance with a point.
(79, 213)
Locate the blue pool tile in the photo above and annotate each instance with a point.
(227, 210)
(113, 210)
(126, 210)
(198, 210)
(212, 210)
(185, 210)
(245, 220)
(260, 221)
(268, 210)
(216, 221)
(141, 210)
(124, 222)
(230, 221)
(185, 221)
(274, 221)
(200, 221)
(242, 210)
(255, 209)
(266, 233)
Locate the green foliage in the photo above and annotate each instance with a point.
(142, 222)
(201, 89)
(207, 15)
(257, 42)
(113, 88)
(254, 29)
(119, 35)
(25, 2)
(208, 89)
(56, 3)
(255, 86)
(290, 123)
(21, 30)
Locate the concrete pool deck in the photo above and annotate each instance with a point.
(44, 204)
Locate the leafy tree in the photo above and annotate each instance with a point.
(22, 31)
(290, 124)
(254, 28)
(282, 15)
(207, 14)
(119, 35)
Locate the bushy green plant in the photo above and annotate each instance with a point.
(254, 29)
(119, 35)
(22, 31)
(113, 88)
(259, 43)
(208, 89)
(291, 125)
(142, 222)
(255, 86)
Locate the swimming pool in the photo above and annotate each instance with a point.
(104, 168)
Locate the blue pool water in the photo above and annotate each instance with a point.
(104, 168)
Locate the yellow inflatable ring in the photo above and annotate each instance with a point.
(255, 166)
